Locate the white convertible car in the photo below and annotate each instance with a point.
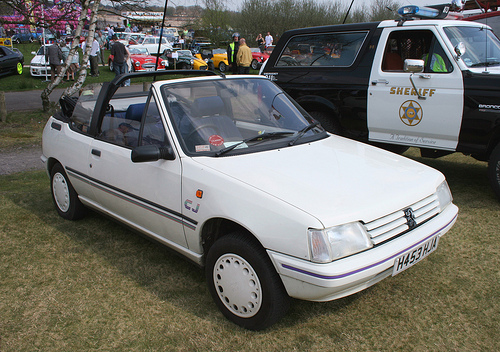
(234, 175)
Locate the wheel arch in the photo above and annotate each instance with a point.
(216, 228)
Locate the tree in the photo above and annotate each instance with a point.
(82, 73)
(215, 20)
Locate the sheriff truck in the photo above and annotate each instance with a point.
(421, 81)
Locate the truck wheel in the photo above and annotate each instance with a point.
(243, 282)
(494, 170)
(328, 121)
(64, 195)
(254, 64)
(222, 66)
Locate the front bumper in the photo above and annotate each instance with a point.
(40, 71)
(325, 282)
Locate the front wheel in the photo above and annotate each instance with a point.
(64, 195)
(254, 64)
(243, 282)
(494, 170)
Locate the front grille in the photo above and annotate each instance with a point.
(149, 65)
(392, 225)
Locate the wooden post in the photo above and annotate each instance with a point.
(3, 108)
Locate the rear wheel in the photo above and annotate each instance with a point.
(243, 282)
(222, 66)
(64, 195)
(494, 170)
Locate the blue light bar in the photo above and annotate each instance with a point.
(417, 11)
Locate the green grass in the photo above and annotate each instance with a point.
(95, 285)
(22, 129)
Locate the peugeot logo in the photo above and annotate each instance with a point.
(410, 218)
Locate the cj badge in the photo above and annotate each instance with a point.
(411, 113)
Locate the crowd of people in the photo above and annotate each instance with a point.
(239, 55)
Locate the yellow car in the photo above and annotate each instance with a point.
(218, 56)
(198, 63)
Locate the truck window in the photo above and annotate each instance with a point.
(323, 49)
(421, 44)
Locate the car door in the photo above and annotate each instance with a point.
(145, 195)
(396, 112)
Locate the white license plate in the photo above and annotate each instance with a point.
(150, 68)
(413, 256)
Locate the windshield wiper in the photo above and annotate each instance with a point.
(487, 63)
(262, 136)
(303, 132)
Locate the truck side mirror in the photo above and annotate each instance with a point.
(460, 49)
(414, 65)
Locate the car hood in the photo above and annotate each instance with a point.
(38, 59)
(335, 173)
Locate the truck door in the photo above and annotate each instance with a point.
(396, 112)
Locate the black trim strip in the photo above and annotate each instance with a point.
(190, 222)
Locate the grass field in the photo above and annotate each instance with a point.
(95, 285)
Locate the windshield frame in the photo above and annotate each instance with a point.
(279, 139)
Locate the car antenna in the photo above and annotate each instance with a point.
(347, 14)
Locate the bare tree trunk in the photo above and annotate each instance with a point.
(82, 73)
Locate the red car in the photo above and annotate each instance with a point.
(141, 60)
(258, 58)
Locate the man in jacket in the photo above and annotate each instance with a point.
(54, 56)
(232, 51)
(244, 57)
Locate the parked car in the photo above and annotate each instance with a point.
(234, 175)
(258, 58)
(38, 66)
(433, 83)
(151, 43)
(183, 60)
(23, 35)
(11, 61)
(218, 57)
(141, 59)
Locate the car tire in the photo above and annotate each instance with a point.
(328, 121)
(19, 68)
(243, 282)
(494, 170)
(254, 64)
(222, 66)
(65, 198)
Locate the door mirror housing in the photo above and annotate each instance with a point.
(147, 153)
(414, 65)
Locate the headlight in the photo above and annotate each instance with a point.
(192, 61)
(444, 195)
(338, 242)
(164, 63)
(137, 63)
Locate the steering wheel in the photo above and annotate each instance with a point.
(201, 127)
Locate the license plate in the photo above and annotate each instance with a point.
(413, 256)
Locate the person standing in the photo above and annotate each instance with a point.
(269, 40)
(232, 50)
(93, 58)
(102, 44)
(260, 42)
(120, 56)
(244, 57)
(54, 56)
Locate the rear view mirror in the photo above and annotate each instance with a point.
(148, 153)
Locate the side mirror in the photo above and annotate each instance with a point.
(414, 65)
(460, 49)
(147, 153)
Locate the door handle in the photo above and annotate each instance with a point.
(96, 152)
(384, 81)
(425, 76)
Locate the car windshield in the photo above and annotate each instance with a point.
(185, 53)
(235, 115)
(482, 47)
(42, 50)
(136, 51)
(219, 51)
